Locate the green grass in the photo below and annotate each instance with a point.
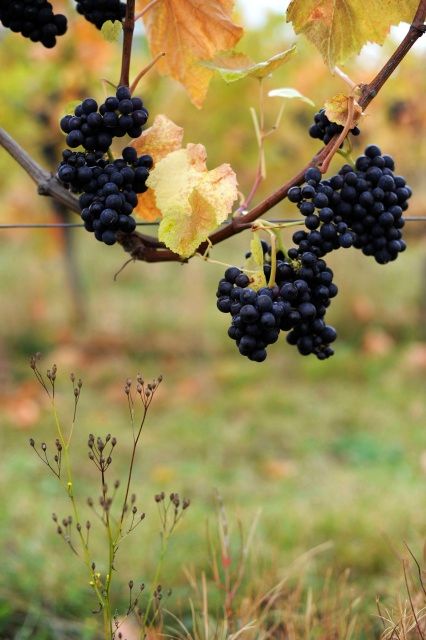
(327, 451)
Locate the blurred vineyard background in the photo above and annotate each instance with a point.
(327, 452)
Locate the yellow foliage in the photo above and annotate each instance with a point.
(193, 201)
(336, 110)
(188, 31)
(339, 28)
(158, 141)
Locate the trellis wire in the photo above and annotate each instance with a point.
(79, 225)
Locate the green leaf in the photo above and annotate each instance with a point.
(111, 30)
(290, 93)
(340, 28)
(236, 67)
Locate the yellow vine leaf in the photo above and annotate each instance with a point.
(336, 110)
(340, 28)
(236, 66)
(163, 137)
(188, 31)
(193, 201)
(254, 264)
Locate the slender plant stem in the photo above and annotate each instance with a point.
(108, 579)
(70, 491)
(129, 477)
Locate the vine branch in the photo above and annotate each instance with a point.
(128, 28)
(148, 248)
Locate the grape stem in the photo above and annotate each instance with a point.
(345, 78)
(145, 71)
(146, 9)
(128, 29)
(150, 249)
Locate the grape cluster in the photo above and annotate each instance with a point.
(359, 207)
(34, 19)
(100, 11)
(323, 129)
(296, 303)
(108, 189)
(94, 127)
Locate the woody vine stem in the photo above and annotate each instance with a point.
(148, 248)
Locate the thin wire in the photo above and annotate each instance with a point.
(75, 225)
(60, 225)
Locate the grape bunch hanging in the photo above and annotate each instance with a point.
(109, 189)
(34, 19)
(100, 11)
(360, 207)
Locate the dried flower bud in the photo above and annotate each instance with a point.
(108, 438)
(133, 498)
(88, 524)
(59, 530)
(90, 502)
(80, 383)
(72, 377)
(186, 502)
(131, 584)
(54, 517)
(93, 566)
(142, 516)
(139, 378)
(32, 442)
(116, 484)
(44, 446)
(78, 526)
(76, 392)
(113, 441)
(134, 509)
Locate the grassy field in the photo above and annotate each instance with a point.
(320, 453)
